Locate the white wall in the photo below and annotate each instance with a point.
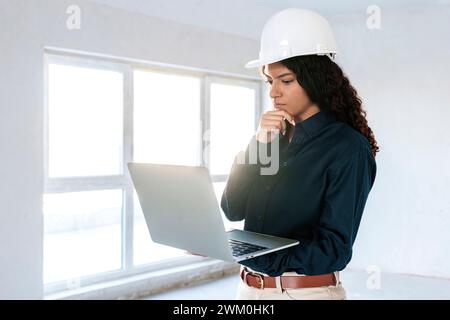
(25, 28)
(402, 71)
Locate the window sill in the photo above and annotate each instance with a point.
(137, 286)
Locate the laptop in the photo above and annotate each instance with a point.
(181, 210)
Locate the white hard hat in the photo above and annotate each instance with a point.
(294, 32)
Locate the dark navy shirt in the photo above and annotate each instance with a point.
(317, 196)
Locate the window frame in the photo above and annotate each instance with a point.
(123, 181)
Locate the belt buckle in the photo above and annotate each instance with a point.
(262, 280)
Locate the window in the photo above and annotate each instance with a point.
(166, 118)
(232, 123)
(85, 121)
(82, 227)
(82, 233)
(166, 130)
(100, 115)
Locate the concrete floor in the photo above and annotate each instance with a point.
(392, 287)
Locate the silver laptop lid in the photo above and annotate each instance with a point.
(180, 208)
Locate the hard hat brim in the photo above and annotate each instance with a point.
(253, 63)
(259, 62)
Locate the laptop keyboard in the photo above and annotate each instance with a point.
(240, 248)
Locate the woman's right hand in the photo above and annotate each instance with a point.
(271, 123)
(193, 253)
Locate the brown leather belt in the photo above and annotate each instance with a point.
(260, 281)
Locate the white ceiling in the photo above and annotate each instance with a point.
(246, 18)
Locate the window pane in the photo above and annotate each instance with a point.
(166, 118)
(218, 189)
(145, 250)
(82, 233)
(232, 124)
(85, 121)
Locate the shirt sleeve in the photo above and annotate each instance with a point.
(242, 176)
(329, 248)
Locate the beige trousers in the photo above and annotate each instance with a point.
(245, 292)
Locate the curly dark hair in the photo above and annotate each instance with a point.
(329, 88)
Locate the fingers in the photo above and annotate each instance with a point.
(193, 253)
(276, 120)
(284, 114)
(274, 123)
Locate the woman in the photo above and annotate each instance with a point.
(327, 169)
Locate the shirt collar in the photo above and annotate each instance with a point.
(310, 127)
